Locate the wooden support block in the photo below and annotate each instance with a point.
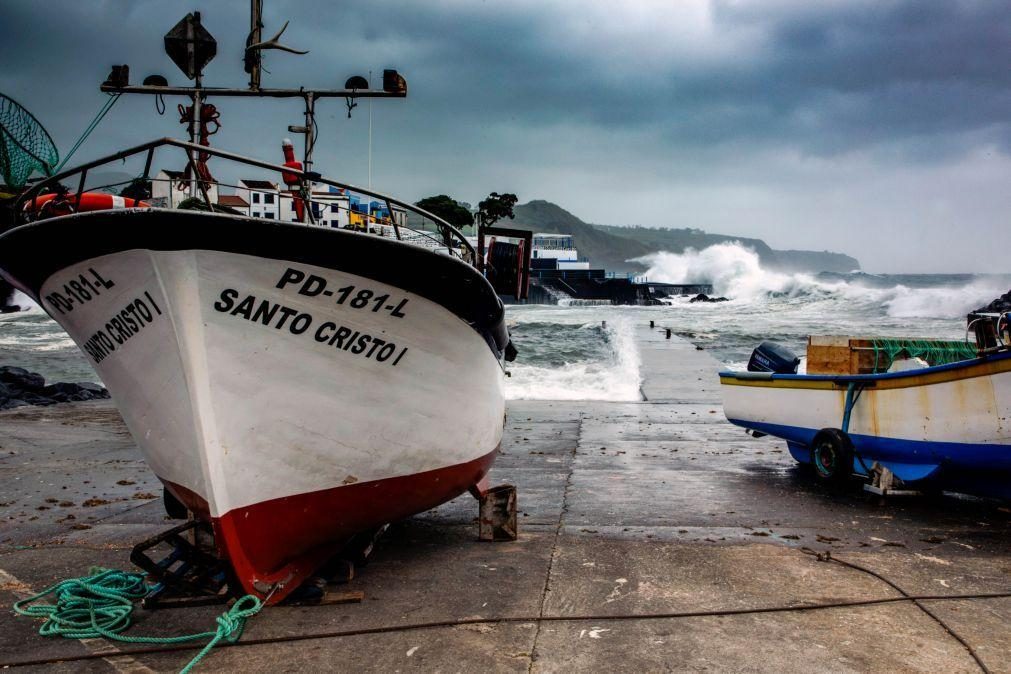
(340, 571)
(343, 597)
(497, 514)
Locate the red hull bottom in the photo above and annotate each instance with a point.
(283, 541)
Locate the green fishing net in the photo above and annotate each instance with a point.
(25, 147)
(934, 351)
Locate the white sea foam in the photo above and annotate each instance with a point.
(736, 272)
(23, 300)
(615, 377)
(25, 303)
(732, 269)
(944, 302)
(38, 342)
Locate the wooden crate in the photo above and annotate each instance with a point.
(839, 355)
(828, 354)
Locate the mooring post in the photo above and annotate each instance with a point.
(651, 325)
(603, 324)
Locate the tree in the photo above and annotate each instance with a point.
(496, 207)
(138, 189)
(448, 209)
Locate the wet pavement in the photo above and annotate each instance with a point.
(653, 536)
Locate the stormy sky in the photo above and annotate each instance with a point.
(879, 128)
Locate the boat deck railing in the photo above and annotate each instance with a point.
(313, 200)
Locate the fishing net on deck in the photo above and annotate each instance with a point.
(934, 351)
(25, 146)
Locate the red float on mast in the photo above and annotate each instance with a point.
(290, 179)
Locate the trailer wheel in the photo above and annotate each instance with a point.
(832, 456)
(174, 508)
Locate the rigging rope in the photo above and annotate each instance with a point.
(102, 112)
(101, 605)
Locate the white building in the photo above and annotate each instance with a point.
(170, 188)
(558, 247)
(263, 197)
(330, 208)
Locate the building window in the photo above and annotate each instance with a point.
(334, 208)
(256, 197)
(268, 215)
(268, 198)
(256, 214)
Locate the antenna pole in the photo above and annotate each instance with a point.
(370, 133)
(255, 28)
(310, 142)
(195, 121)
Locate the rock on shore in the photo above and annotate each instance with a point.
(19, 387)
(702, 297)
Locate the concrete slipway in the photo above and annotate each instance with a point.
(626, 511)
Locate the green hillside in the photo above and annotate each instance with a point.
(612, 247)
(604, 249)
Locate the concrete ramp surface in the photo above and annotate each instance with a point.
(654, 536)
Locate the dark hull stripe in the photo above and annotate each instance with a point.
(32, 253)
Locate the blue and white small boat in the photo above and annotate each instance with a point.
(944, 427)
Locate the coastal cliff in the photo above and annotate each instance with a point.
(612, 247)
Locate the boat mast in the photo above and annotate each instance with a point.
(191, 47)
(310, 142)
(198, 72)
(370, 133)
(255, 37)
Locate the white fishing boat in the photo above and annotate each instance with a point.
(941, 426)
(291, 383)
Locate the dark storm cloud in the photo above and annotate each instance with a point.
(884, 71)
(763, 109)
(822, 77)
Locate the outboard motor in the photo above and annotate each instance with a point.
(775, 358)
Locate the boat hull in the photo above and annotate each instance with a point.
(948, 423)
(290, 402)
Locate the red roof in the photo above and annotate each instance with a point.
(231, 200)
(259, 184)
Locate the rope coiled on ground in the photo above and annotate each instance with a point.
(101, 605)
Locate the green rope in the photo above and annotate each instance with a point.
(101, 605)
(102, 112)
(934, 351)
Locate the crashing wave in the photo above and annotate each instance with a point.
(735, 271)
(612, 374)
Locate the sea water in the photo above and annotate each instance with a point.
(567, 353)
